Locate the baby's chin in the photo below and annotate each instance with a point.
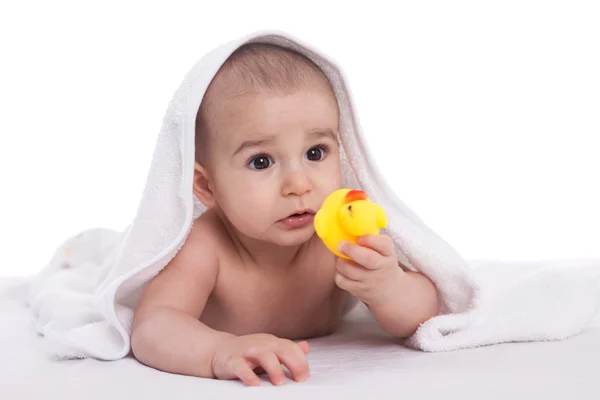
(292, 237)
(276, 235)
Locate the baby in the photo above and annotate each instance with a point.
(253, 279)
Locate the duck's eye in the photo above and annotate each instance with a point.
(350, 208)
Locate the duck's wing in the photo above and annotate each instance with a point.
(321, 225)
(381, 216)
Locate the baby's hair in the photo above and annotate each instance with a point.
(251, 68)
(266, 66)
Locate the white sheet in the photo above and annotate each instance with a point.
(358, 362)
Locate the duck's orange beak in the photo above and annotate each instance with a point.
(355, 195)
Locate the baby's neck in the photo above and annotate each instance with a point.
(268, 256)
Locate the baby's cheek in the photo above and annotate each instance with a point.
(331, 175)
(328, 183)
(251, 209)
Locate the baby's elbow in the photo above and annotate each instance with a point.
(428, 300)
(143, 340)
(141, 343)
(433, 301)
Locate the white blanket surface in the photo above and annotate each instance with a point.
(358, 362)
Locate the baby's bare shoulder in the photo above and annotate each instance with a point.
(209, 230)
(188, 279)
(206, 231)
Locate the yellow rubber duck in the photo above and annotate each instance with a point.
(347, 214)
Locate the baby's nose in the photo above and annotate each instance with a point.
(297, 183)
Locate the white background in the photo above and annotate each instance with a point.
(485, 116)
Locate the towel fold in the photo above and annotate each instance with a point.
(83, 301)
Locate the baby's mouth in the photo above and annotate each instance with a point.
(301, 213)
(298, 219)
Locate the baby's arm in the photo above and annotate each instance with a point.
(166, 332)
(414, 302)
(400, 299)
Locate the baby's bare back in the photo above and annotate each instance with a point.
(295, 302)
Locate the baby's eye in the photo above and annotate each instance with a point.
(316, 153)
(260, 162)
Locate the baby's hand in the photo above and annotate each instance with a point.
(237, 358)
(373, 273)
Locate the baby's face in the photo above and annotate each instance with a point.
(274, 155)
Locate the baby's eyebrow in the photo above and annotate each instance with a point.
(253, 143)
(320, 133)
(314, 134)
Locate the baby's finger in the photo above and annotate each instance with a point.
(242, 370)
(272, 366)
(364, 256)
(382, 244)
(304, 346)
(351, 270)
(292, 355)
(347, 284)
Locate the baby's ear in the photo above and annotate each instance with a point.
(202, 186)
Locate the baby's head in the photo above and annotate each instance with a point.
(267, 142)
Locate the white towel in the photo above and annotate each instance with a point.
(84, 299)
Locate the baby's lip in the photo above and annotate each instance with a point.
(299, 219)
(300, 212)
